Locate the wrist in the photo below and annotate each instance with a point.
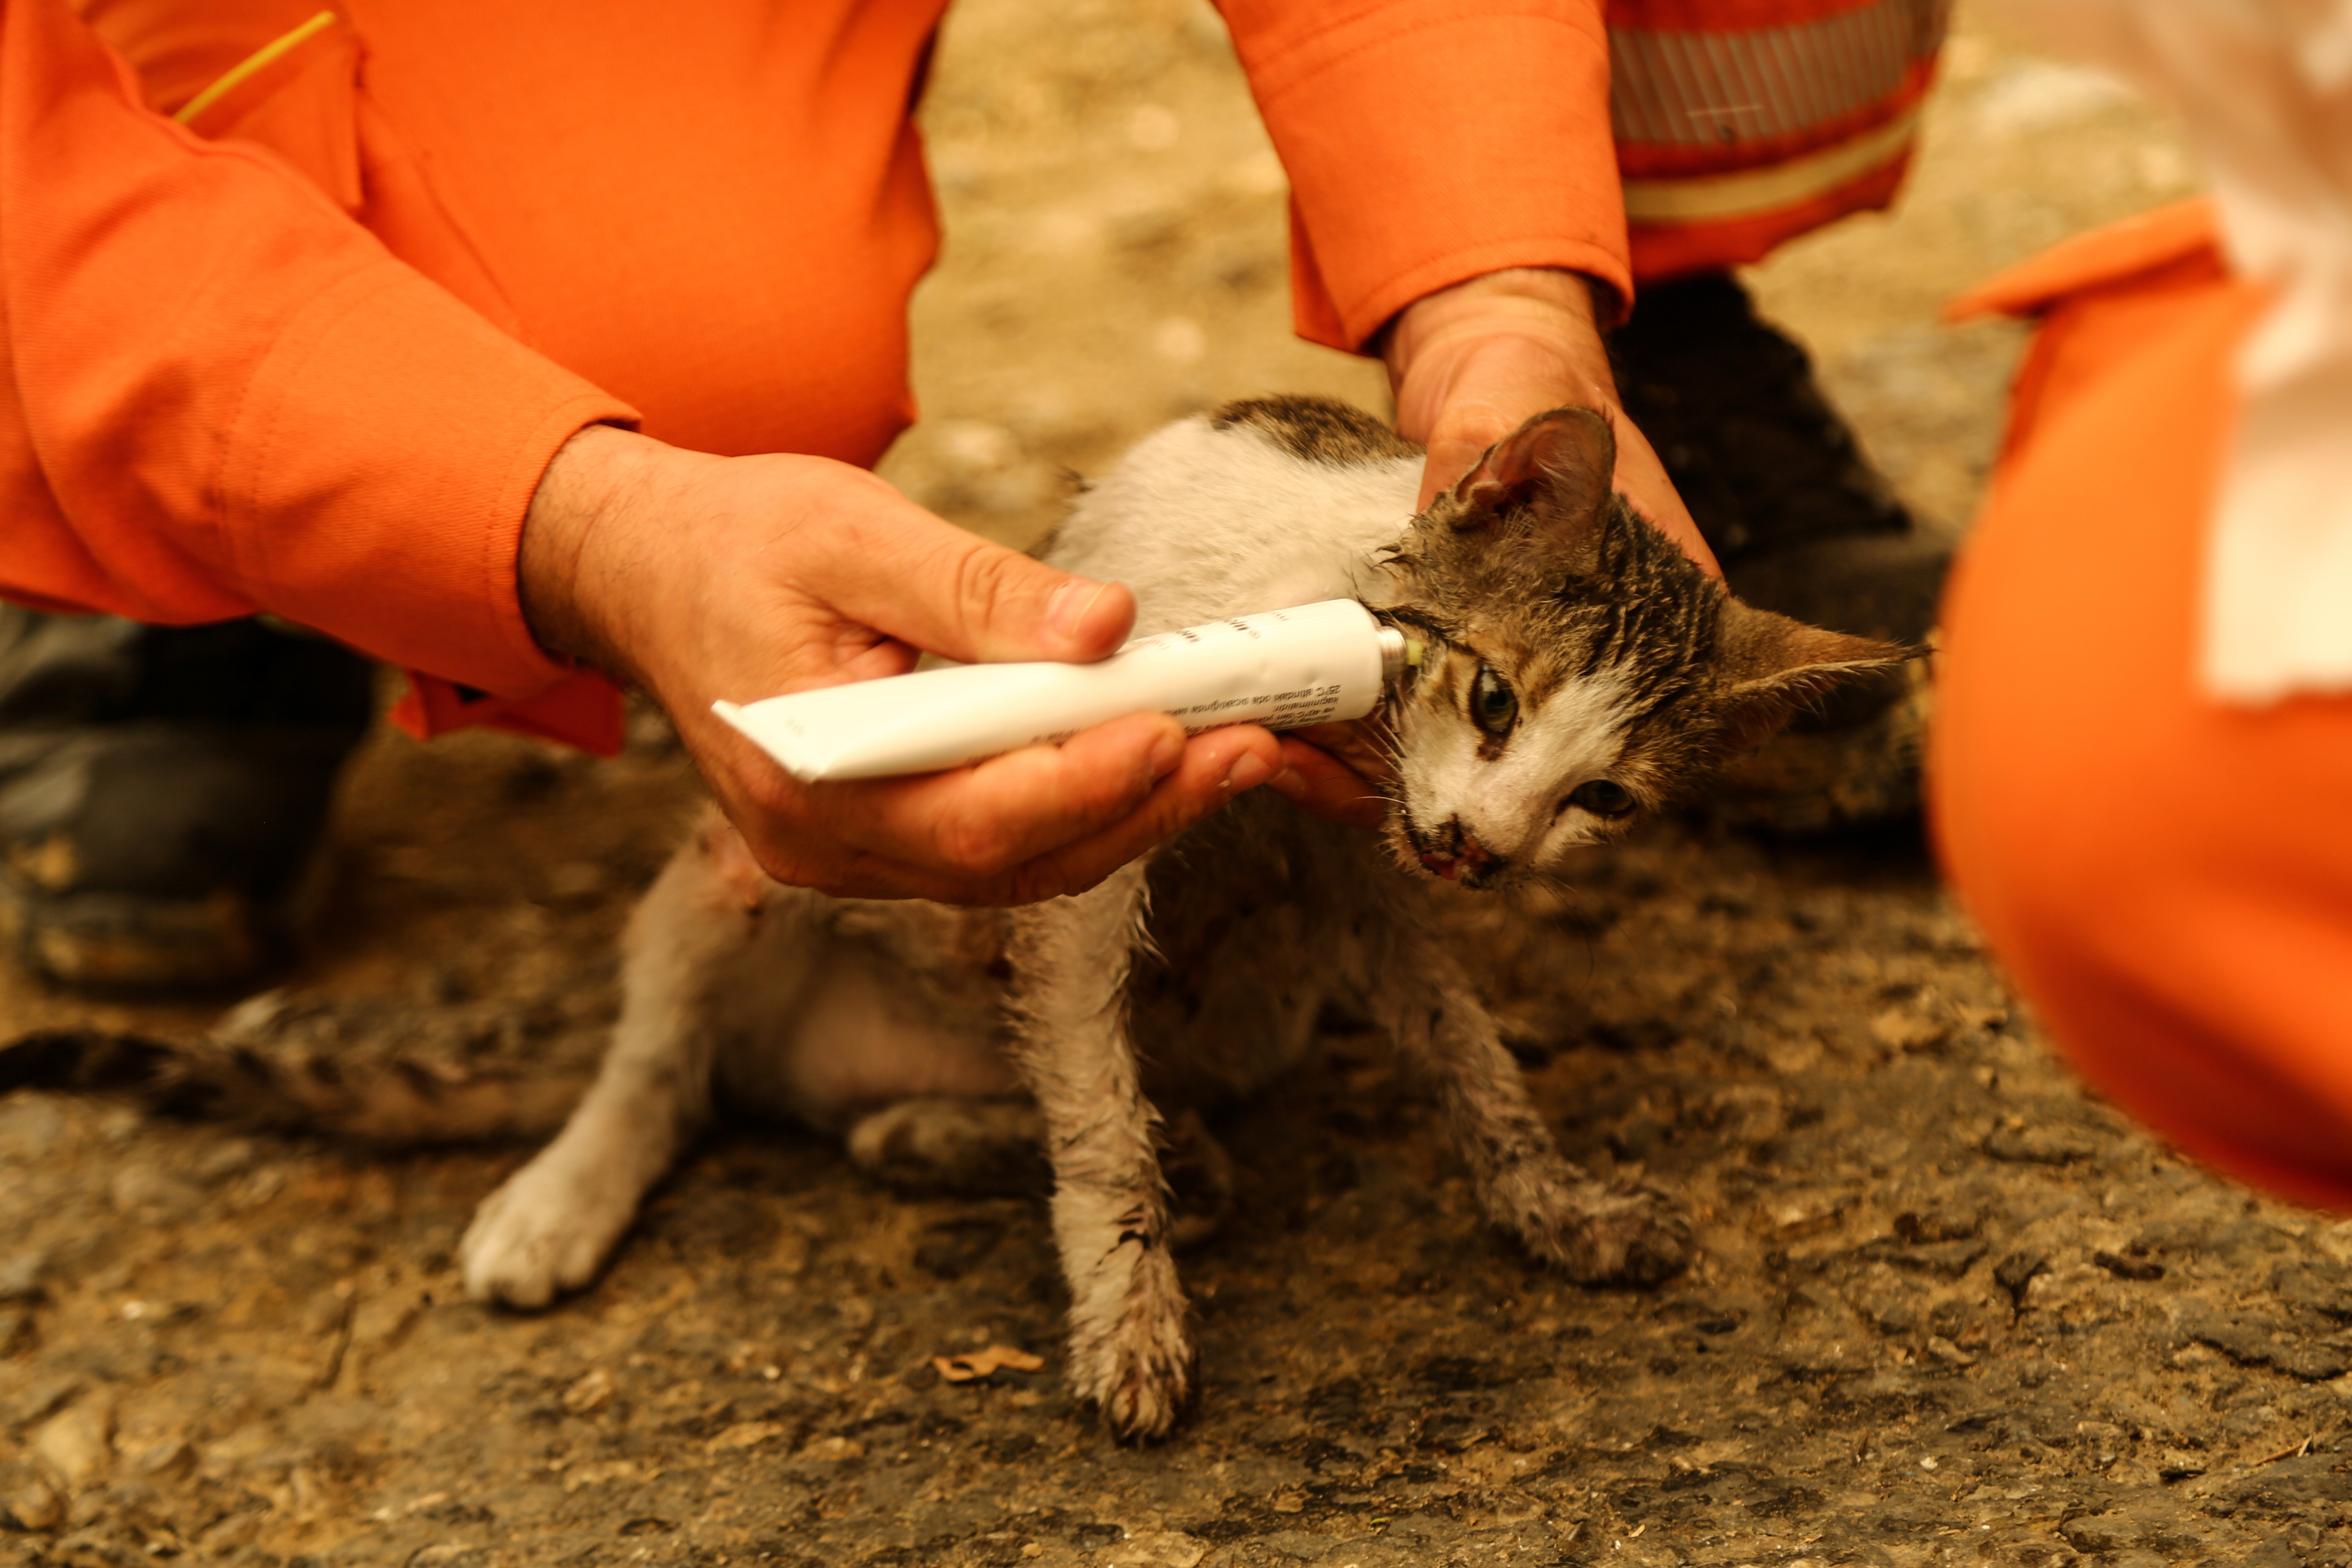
(1546, 295)
(1468, 363)
(1552, 313)
(569, 533)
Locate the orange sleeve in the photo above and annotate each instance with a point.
(1430, 140)
(222, 395)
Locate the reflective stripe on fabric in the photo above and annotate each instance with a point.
(1709, 198)
(253, 64)
(1742, 123)
(1686, 87)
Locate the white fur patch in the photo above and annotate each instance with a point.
(1238, 525)
(856, 1041)
(1511, 804)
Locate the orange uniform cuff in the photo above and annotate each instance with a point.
(582, 709)
(379, 471)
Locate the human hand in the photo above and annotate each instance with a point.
(700, 577)
(1329, 768)
(1469, 365)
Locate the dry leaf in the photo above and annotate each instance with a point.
(973, 1365)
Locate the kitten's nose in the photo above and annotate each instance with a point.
(1452, 853)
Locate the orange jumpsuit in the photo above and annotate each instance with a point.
(310, 353)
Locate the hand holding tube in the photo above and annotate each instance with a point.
(1283, 669)
(701, 578)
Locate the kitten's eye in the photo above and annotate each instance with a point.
(1603, 797)
(1494, 706)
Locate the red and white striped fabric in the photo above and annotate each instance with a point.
(1741, 123)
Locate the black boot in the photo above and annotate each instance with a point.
(164, 792)
(1803, 525)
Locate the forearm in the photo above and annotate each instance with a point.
(701, 578)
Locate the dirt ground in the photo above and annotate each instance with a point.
(1950, 1308)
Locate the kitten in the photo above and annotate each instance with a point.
(1581, 673)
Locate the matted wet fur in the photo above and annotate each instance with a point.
(1579, 672)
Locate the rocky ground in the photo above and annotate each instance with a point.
(1950, 1308)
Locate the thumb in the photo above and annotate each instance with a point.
(1008, 606)
(923, 580)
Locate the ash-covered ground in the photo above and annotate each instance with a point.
(1948, 1308)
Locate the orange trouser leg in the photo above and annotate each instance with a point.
(2169, 881)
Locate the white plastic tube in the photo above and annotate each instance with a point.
(1281, 668)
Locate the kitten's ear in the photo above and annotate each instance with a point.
(1562, 459)
(1773, 666)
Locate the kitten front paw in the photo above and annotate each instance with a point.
(1152, 1388)
(545, 1233)
(1621, 1232)
(1138, 1368)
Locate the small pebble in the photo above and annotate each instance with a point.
(169, 1458)
(831, 1450)
(76, 1443)
(224, 1160)
(2016, 1271)
(144, 1193)
(748, 1435)
(1180, 341)
(592, 1391)
(1153, 128)
(20, 1275)
(29, 1497)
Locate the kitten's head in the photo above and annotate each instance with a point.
(1579, 671)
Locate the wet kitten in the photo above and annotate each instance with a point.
(1582, 672)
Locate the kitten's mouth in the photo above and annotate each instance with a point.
(1452, 853)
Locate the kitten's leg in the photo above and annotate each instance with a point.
(551, 1225)
(943, 1143)
(1596, 1233)
(1128, 1349)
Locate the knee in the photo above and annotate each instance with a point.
(2141, 862)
